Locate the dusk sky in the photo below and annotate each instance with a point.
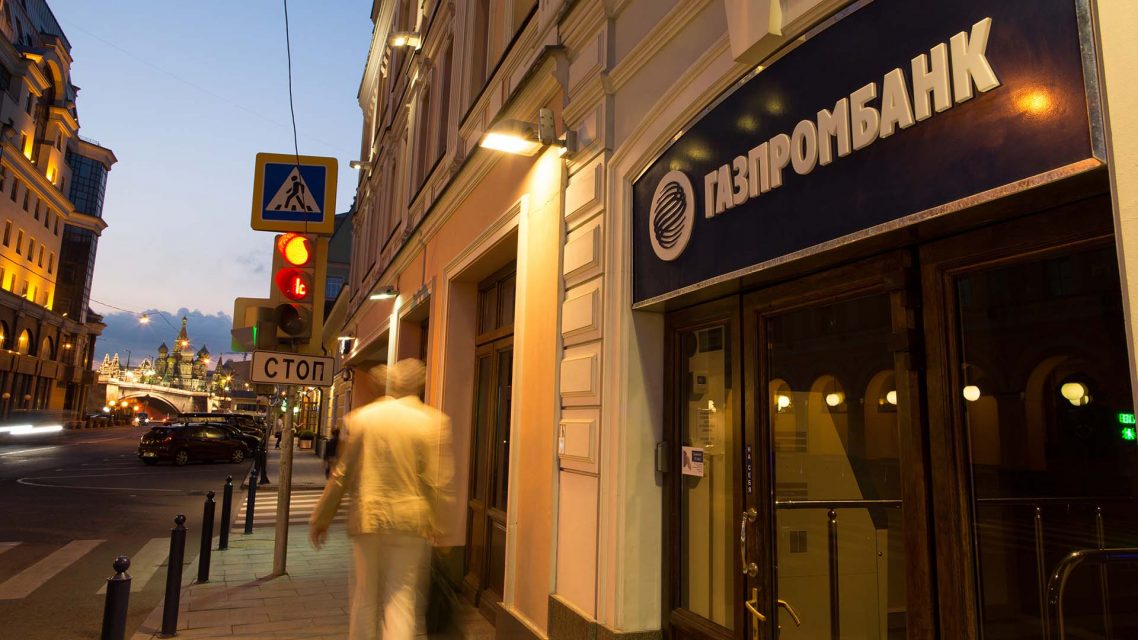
(186, 94)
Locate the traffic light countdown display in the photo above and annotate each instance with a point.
(294, 266)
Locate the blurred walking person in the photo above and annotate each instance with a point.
(330, 448)
(395, 457)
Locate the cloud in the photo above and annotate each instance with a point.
(124, 334)
(253, 262)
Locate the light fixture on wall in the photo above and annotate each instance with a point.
(360, 164)
(384, 293)
(526, 138)
(405, 39)
(1076, 393)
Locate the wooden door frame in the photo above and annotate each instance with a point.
(892, 274)
(676, 621)
(1056, 231)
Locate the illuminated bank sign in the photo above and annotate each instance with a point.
(895, 110)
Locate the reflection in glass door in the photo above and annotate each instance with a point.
(837, 536)
(1044, 392)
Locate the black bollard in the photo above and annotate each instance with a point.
(263, 462)
(207, 537)
(174, 578)
(226, 506)
(251, 501)
(118, 599)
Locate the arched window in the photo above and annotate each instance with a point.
(24, 342)
(47, 348)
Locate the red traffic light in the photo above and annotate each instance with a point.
(295, 249)
(295, 284)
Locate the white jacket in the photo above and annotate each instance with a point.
(395, 458)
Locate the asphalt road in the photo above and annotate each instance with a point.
(69, 506)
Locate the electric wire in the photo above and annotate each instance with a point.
(291, 106)
(160, 313)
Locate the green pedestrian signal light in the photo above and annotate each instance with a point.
(1129, 433)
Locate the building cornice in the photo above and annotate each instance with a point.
(87, 221)
(95, 151)
(65, 118)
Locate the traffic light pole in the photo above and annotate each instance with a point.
(284, 492)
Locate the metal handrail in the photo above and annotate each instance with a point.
(831, 507)
(835, 504)
(1057, 585)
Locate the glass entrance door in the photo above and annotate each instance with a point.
(1033, 437)
(842, 548)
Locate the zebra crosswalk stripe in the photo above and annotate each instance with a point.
(25, 582)
(144, 564)
(301, 506)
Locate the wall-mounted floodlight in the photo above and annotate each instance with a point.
(384, 293)
(360, 164)
(405, 39)
(526, 138)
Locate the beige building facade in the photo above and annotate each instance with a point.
(815, 316)
(53, 184)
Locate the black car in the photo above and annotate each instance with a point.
(243, 422)
(183, 443)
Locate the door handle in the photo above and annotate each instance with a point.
(752, 606)
(749, 568)
(789, 609)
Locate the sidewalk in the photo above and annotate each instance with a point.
(307, 470)
(241, 600)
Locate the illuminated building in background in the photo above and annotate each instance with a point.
(52, 183)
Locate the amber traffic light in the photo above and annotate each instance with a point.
(294, 264)
(295, 249)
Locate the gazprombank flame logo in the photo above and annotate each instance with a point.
(673, 216)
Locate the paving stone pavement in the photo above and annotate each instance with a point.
(243, 600)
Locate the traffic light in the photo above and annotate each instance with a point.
(253, 325)
(295, 288)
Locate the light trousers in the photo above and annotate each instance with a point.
(386, 580)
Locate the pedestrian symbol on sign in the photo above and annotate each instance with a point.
(293, 195)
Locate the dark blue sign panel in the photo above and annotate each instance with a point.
(293, 192)
(898, 108)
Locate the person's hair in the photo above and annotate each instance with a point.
(406, 378)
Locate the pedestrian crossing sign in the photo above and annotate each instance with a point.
(294, 193)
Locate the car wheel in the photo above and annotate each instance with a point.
(150, 461)
(182, 457)
(237, 457)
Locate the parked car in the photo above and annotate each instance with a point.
(183, 443)
(245, 423)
